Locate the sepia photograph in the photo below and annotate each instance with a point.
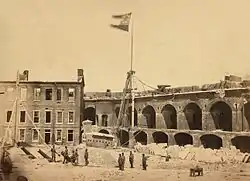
(124, 90)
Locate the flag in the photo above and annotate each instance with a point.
(125, 20)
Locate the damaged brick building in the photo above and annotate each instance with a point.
(53, 107)
(213, 115)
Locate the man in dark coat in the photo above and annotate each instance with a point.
(86, 157)
(53, 153)
(120, 162)
(77, 156)
(65, 155)
(123, 161)
(144, 162)
(131, 159)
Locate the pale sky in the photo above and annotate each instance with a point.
(180, 42)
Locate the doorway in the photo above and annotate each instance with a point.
(47, 136)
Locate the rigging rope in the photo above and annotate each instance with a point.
(154, 89)
(143, 86)
(10, 121)
(138, 132)
(38, 131)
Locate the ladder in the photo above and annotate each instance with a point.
(124, 105)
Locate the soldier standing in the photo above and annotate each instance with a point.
(120, 162)
(73, 159)
(76, 156)
(53, 153)
(144, 162)
(65, 155)
(86, 157)
(123, 161)
(131, 160)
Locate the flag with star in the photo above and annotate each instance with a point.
(124, 23)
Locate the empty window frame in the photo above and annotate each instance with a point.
(58, 135)
(70, 135)
(37, 94)
(71, 117)
(22, 134)
(48, 116)
(35, 135)
(8, 116)
(23, 96)
(59, 94)
(71, 94)
(22, 116)
(36, 116)
(59, 117)
(48, 94)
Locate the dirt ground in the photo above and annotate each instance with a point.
(103, 167)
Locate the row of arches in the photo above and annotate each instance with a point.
(208, 140)
(220, 111)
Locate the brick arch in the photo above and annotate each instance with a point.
(117, 110)
(90, 114)
(169, 113)
(90, 106)
(141, 136)
(198, 103)
(211, 141)
(245, 113)
(160, 137)
(140, 107)
(149, 111)
(162, 105)
(105, 131)
(193, 114)
(222, 115)
(210, 104)
(102, 130)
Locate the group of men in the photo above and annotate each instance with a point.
(121, 161)
(74, 158)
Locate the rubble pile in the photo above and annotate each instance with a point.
(152, 149)
(188, 152)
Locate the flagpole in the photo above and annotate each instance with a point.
(131, 44)
(132, 72)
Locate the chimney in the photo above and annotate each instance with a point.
(80, 76)
(108, 93)
(26, 74)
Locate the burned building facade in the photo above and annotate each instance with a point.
(44, 109)
(214, 116)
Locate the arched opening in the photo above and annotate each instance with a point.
(170, 116)
(150, 116)
(141, 137)
(211, 141)
(193, 116)
(246, 113)
(117, 110)
(124, 138)
(104, 131)
(105, 120)
(90, 114)
(242, 143)
(160, 137)
(183, 139)
(129, 114)
(222, 116)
